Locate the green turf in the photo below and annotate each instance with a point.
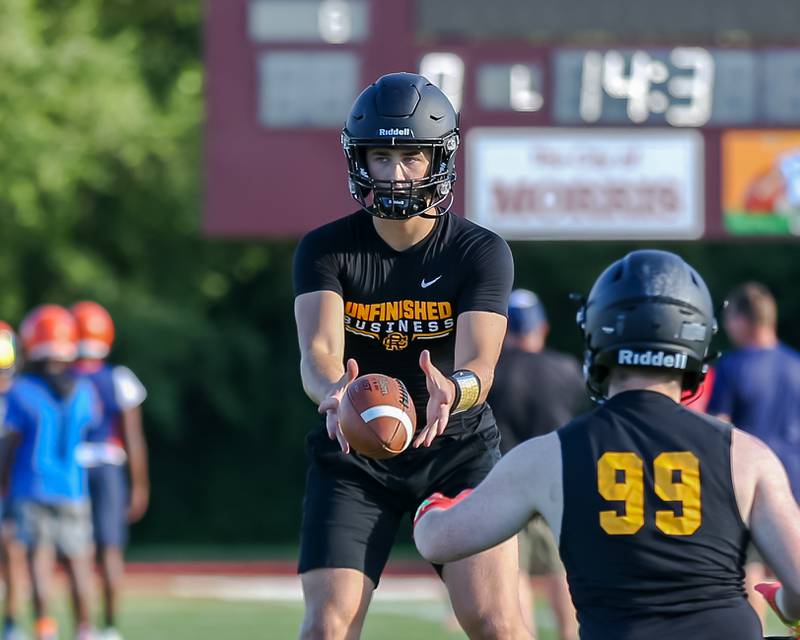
(171, 618)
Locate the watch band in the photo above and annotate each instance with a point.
(468, 390)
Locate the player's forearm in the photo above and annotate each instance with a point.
(445, 536)
(434, 542)
(788, 601)
(319, 371)
(479, 338)
(136, 447)
(138, 463)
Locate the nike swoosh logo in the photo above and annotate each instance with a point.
(425, 285)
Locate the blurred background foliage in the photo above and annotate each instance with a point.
(101, 108)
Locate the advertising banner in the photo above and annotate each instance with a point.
(570, 184)
(761, 182)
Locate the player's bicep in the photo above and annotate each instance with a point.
(488, 277)
(775, 519)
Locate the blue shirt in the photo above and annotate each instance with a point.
(3, 405)
(118, 390)
(45, 467)
(760, 390)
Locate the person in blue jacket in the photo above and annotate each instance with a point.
(48, 414)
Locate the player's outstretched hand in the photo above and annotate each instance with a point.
(441, 392)
(770, 592)
(329, 407)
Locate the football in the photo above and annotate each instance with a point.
(377, 416)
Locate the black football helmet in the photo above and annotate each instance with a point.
(402, 110)
(650, 309)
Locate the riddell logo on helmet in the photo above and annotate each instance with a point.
(652, 359)
(395, 132)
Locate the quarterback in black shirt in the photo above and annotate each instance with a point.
(405, 288)
(653, 504)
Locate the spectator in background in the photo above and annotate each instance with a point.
(757, 388)
(8, 364)
(117, 442)
(13, 560)
(48, 414)
(535, 391)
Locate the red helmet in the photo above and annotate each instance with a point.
(95, 329)
(49, 332)
(8, 348)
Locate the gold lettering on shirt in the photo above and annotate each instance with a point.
(396, 323)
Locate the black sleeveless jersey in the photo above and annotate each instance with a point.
(397, 303)
(651, 535)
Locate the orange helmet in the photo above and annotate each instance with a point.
(8, 348)
(95, 329)
(49, 332)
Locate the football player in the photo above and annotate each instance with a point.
(406, 288)
(653, 504)
(13, 560)
(115, 449)
(48, 414)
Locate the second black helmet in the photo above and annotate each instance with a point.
(649, 309)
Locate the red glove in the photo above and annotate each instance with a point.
(438, 501)
(770, 592)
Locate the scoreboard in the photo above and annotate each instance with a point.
(568, 132)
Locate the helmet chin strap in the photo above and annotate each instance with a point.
(440, 211)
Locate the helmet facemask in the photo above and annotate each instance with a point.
(403, 199)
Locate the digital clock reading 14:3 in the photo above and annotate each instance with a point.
(682, 87)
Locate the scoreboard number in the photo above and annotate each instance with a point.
(676, 475)
(446, 71)
(604, 74)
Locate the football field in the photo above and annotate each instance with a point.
(181, 618)
(206, 606)
(202, 619)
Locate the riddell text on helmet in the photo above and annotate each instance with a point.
(395, 132)
(651, 358)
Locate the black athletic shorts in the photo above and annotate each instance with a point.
(353, 505)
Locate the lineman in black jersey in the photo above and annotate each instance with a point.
(405, 288)
(653, 504)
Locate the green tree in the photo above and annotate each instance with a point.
(100, 197)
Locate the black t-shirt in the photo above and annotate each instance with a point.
(651, 536)
(397, 303)
(535, 393)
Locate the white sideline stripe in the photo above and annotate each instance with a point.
(288, 589)
(388, 411)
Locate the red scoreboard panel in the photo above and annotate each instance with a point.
(676, 139)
